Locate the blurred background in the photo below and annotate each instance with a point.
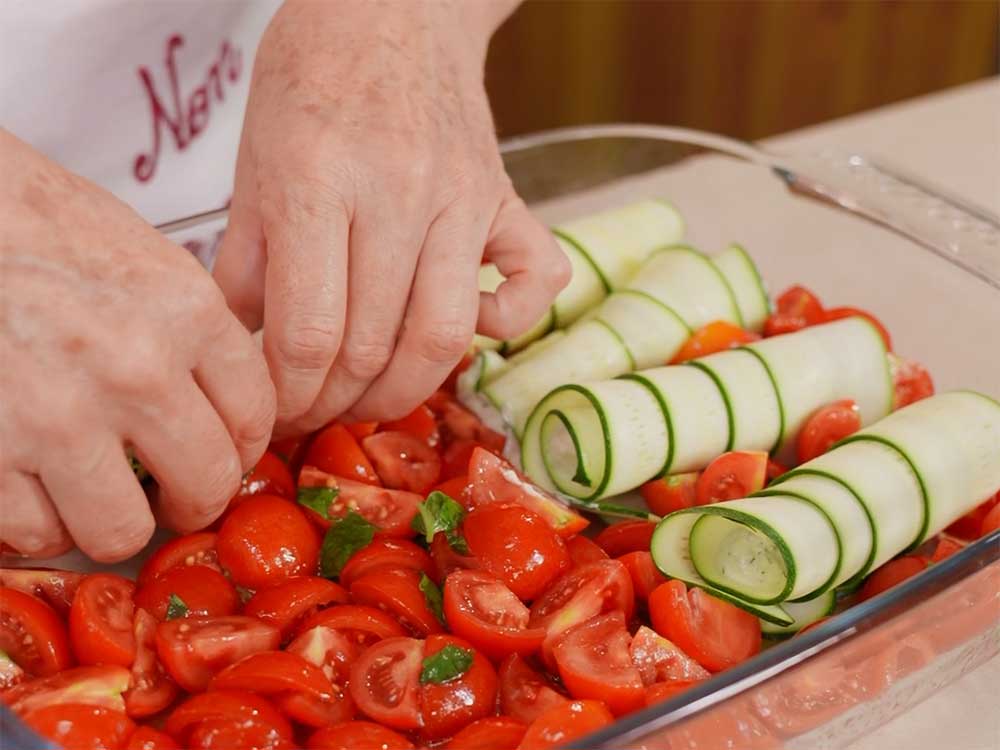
(746, 68)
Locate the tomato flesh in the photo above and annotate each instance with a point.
(54, 587)
(661, 691)
(971, 525)
(492, 733)
(801, 302)
(270, 476)
(565, 723)
(392, 511)
(714, 337)
(150, 690)
(80, 726)
(911, 382)
(32, 635)
(448, 706)
(190, 549)
(95, 686)
(673, 492)
(101, 621)
(268, 672)
(420, 423)
(583, 550)
(659, 660)
(892, 573)
(403, 461)
(626, 536)
(286, 604)
(643, 572)
(731, 476)
(384, 682)
(363, 625)
(525, 693)
(336, 451)
(826, 426)
(397, 592)
(204, 591)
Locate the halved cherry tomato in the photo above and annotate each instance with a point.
(713, 632)
(774, 470)
(265, 540)
(659, 660)
(237, 705)
(714, 337)
(565, 723)
(457, 487)
(911, 382)
(661, 691)
(491, 480)
(813, 625)
(362, 625)
(456, 457)
(270, 476)
(801, 302)
(268, 672)
(780, 323)
(517, 546)
(943, 549)
(54, 587)
(892, 573)
(190, 549)
(385, 682)
(483, 611)
(336, 451)
(447, 560)
(593, 661)
(397, 591)
(361, 430)
(286, 604)
(992, 521)
(526, 693)
(358, 735)
(458, 423)
(970, 526)
(95, 686)
(204, 591)
(492, 733)
(150, 690)
(77, 725)
(732, 476)
(644, 573)
(826, 426)
(333, 652)
(32, 634)
(101, 620)
(420, 423)
(402, 461)
(583, 550)
(392, 511)
(193, 650)
(448, 706)
(626, 536)
(672, 492)
(233, 734)
(837, 313)
(147, 738)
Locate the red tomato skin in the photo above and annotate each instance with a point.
(457, 488)
(32, 634)
(285, 605)
(732, 476)
(402, 461)
(390, 552)
(147, 738)
(944, 548)
(661, 691)
(448, 706)
(525, 693)
(447, 560)
(778, 324)
(397, 591)
(420, 423)
(517, 546)
(205, 592)
(970, 526)
(644, 573)
(365, 625)
(384, 682)
(336, 451)
(333, 652)
(230, 734)
(583, 550)
(361, 430)
(456, 457)
(838, 313)
(826, 426)
(77, 726)
(713, 632)
(270, 672)
(54, 587)
(911, 383)
(492, 733)
(892, 573)
(392, 511)
(100, 621)
(150, 690)
(991, 522)
(564, 723)
(774, 470)
(265, 540)
(801, 302)
(714, 337)
(190, 549)
(673, 492)
(194, 650)
(270, 476)
(224, 704)
(626, 536)
(659, 660)
(358, 735)
(95, 686)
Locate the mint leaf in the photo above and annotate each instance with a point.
(437, 513)
(318, 499)
(176, 607)
(433, 596)
(447, 664)
(457, 542)
(345, 536)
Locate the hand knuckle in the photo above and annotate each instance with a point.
(219, 483)
(446, 341)
(308, 341)
(365, 360)
(122, 540)
(560, 272)
(258, 421)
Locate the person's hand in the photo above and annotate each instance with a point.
(368, 185)
(112, 338)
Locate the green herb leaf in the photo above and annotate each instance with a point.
(318, 499)
(437, 513)
(447, 664)
(346, 536)
(176, 607)
(457, 542)
(433, 596)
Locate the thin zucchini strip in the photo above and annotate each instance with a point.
(747, 286)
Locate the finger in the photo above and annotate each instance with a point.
(186, 446)
(234, 377)
(384, 253)
(28, 520)
(98, 498)
(305, 301)
(525, 252)
(439, 323)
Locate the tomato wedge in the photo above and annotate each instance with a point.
(943, 549)
(190, 549)
(268, 672)
(150, 690)
(392, 511)
(333, 652)
(583, 550)
(420, 423)
(970, 526)
(911, 382)
(644, 573)
(565, 723)
(362, 625)
(673, 492)
(397, 591)
(361, 430)
(192, 650)
(659, 660)
(714, 337)
(447, 560)
(230, 734)
(204, 591)
(388, 552)
(358, 735)
(483, 611)
(826, 426)
(385, 682)
(713, 632)
(448, 706)
(54, 587)
(147, 738)
(336, 451)
(270, 476)
(892, 573)
(458, 423)
(626, 536)
(101, 621)
(732, 476)
(492, 733)
(491, 480)
(77, 725)
(991, 522)
(593, 662)
(800, 302)
(661, 691)
(32, 634)
(526, 693)
(402, 461)
(838, 313)
(285, 605)
(236, 705)
(456, 457)
(95, 686)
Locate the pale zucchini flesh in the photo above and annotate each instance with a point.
(804, 613)
(586, 287)
(651, 331)
(748, 289)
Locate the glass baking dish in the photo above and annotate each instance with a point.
(928, 265)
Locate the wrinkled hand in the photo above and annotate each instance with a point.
(112, 337)
(368, 186)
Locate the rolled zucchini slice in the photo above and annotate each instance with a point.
(651, 331)
(748, 288)
(586, 288)
(804, 614)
